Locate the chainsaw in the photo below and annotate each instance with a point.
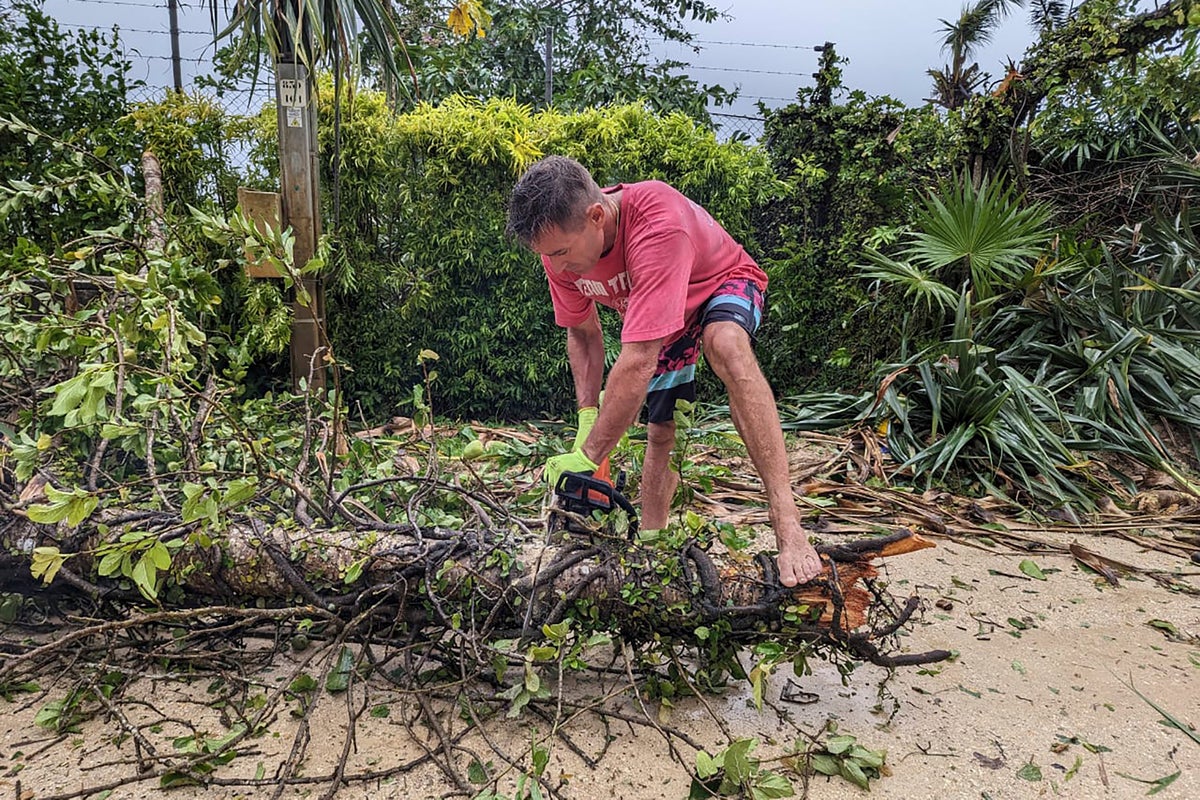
(591, 505)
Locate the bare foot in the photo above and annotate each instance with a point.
(798, 559)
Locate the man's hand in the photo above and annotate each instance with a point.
(587, 418)
(574, 461)
(798, 560)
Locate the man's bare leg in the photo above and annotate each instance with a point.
(658, 479)
(752, 405)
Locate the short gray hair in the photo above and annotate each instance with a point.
(555, 190)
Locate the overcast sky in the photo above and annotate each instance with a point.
(763, 48)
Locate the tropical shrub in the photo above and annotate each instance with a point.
(196, 141)
(1074, 362)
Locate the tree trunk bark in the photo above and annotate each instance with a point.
(500, 586)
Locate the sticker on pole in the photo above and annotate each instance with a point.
(295, 117)
(292, 93)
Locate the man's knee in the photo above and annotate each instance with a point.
(661, 434)
(728, 351)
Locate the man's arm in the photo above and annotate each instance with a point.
(585, 354)
(623, 396)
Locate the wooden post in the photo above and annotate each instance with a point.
(299, 183)
(266, 211)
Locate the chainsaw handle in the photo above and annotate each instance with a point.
(584, 492)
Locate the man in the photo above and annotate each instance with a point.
(679, 282)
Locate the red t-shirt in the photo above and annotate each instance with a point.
(669, 257)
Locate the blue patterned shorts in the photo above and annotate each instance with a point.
(739, 301)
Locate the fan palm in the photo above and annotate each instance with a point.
(978, 239)
(1046, 15)
(984, 237)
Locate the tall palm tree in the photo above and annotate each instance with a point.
(958, 80)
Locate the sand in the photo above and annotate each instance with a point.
(1041, 700)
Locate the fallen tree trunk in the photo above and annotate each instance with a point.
(498, 585)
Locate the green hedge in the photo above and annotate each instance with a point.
(421, 260)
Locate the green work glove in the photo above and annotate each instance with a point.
(574, 461)
(587, 418)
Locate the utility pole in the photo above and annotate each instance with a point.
(173, 7)
(299, 183)
(549, 67)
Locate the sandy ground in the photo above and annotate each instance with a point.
(1045, 675)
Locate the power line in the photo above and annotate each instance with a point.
(162, 31)
(119, 3)
(753, 71)
(755, 44)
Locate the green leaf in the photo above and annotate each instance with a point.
(1168, 720)
(47, 514)
(215, 745)
(533, 681)
(10, 609)
(111, 430)
(558, 631)
(542, 653)
(170, 780)
(737, 760)
(160, 556)
(302, 684)
(1164, 782)
(194, 502)
(837, 745)
(853, 773)
(477, 773)
(355, 570)
(771, 785)
(868, 758)
(48, 716)
(1030, 772)
(541, 757)
(756, 686)
(339, 676)
(826, 764)
(1032, 570)
(706, 765)
(110, 563)
(239, 491)
(46, 563)
(145, 577)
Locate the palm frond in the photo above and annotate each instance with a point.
(315, 31)
(915, 282)
(986, 230)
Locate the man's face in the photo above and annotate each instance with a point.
(575, 251)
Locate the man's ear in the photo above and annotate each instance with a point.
(595, 213)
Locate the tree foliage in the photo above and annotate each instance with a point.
(956, 82)
(854, 164)
(74, 86)
(601, 55)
